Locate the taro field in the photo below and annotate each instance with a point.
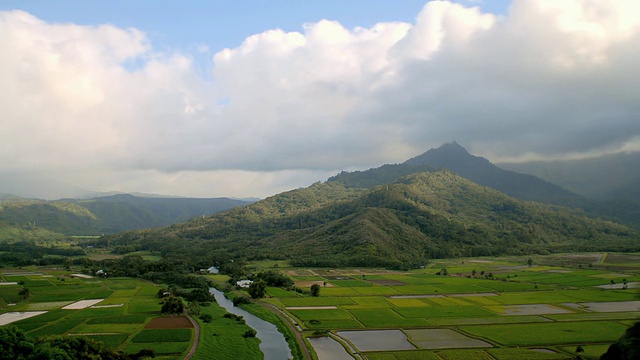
(123, 313)
(504, 308)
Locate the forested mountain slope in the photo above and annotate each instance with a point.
(401, 224)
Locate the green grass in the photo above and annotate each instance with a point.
(223, 337)
(338, 291)
(280, 293)
(366, 302)
(317, 301)
(594, 351)
(163, 335)
(306, 315)
(57, 328)
(444, 311)
(127, 319)
(158, 347)
(145, 306)
(549, 333)
(385, 318)
(99, 312)
(525, 354)
(464, 355)
(351, 283)
(110, 341)
(106, 328)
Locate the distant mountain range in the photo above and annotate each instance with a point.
(398, 216)
(608, 177)
(101, 215)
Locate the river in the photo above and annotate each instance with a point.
(272, 342)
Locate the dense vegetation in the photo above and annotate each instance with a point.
(36, 219)
(400, 225)
(15, 344)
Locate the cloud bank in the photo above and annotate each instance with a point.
(98, 107)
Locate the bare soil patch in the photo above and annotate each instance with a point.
(631, 285)
(173, 322)
(81, 276)
(622, 258)
(10, 317)
(612, 306)
(82, 304)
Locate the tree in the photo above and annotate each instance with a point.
(172, 305)
(473, 272)
(530, 262)
(315, 290)
(627, 347)
(25, 293)
(258, 289)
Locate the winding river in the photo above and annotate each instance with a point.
(272, 343)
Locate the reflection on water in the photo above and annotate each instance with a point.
(328, 349)
(273, 345)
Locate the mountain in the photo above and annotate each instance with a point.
(454, 157)
(607, 177)
(400, 224)
(101, 215)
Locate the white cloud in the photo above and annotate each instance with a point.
(100, 105)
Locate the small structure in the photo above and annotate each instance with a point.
(244, 283)
(213, 270)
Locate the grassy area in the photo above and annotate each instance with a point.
(476, 303)
(224, 338)
(118, 319)
(469, 302)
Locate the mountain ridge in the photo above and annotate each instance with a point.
(399, 225)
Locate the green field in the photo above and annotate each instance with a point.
(520, 312)
(118, 321)
(514, 309)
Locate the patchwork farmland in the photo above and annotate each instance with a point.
(123, 313)
(481, 309)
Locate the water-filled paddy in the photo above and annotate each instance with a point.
(329, 349)
(378, 340)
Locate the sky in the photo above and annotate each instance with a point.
(252, 98)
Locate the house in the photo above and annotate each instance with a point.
(244, 283)
(213, 270)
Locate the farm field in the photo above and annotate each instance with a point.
(485, 308)
(123, 313)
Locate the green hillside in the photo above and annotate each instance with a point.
(402, 224)
(32, 219)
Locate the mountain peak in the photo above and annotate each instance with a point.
(450, 155)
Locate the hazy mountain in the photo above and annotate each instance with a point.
(420, 216)
(106, 214)
(608, 177)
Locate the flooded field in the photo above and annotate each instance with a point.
(329, 349)
(377, 340)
